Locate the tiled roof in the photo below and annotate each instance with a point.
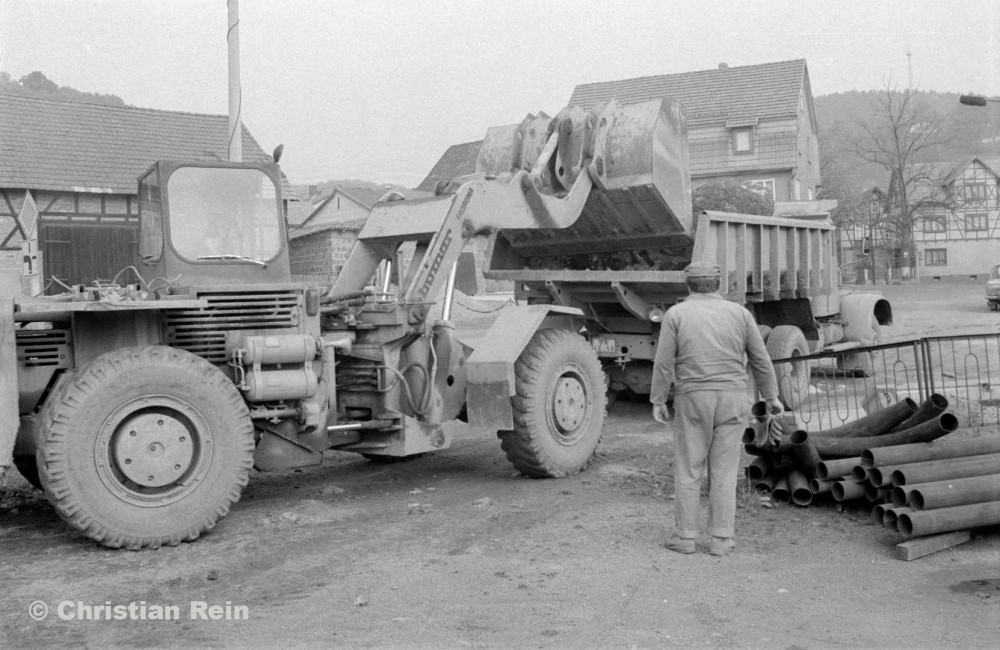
(767, 90)
(352, 225)
(75, 146)
(458, 160)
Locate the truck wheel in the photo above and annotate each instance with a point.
(558, 408)
(144, 447)
(27, 467)
(785, 342)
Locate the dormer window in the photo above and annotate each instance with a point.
(743, 140)
(742, 130)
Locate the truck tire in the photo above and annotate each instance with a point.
(28, 468)
(559, 406)
(785, 342)
(145, 446)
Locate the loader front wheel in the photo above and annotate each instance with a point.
(559, 406)
(786, 342)
(144, 447)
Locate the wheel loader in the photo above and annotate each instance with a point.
(141, 410)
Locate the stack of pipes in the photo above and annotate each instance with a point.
(935, 487)
(795, 467)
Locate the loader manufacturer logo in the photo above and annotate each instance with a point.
(447, 237)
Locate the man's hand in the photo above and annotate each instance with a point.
(660, 413)
(774, 406)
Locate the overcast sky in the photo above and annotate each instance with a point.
(378, 89)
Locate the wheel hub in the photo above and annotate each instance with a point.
(569, 403)
(153, 449)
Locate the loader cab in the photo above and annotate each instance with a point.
(210, 224)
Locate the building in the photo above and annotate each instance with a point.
(959, 237)
(320, 243)
(68, 183)
(753, 124)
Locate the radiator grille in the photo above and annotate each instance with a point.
(43, 348)
(203, 331)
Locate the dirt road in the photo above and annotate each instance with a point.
(457, 550)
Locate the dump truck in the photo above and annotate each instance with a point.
(140, 409)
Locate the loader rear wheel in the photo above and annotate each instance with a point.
(786, 342)
(559, 406)
(145, 446)
(25, 464)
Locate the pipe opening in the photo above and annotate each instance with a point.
(905, 525)
(898, 478)
(860, 474)
(867, 459)
(799, 437)
(898, 497)
(916, 500)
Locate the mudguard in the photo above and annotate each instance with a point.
(862, 314)
(8, 385)
(490, 368)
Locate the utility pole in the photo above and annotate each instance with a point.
(235, 94)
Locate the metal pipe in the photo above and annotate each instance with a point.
(900, 494)
(958, 492)
(931, 407)
(846, 490)
(852, 447)
(937, 450)
(820, 486)
(781, 492)
(891, 518)
(875, 494)
(766, 482)
(806, 456)
(757, 468)
(449, 292)
(832, 468)
(387, 280)
(878, 513)
(873, 424)
(859, 474)
(942, 520)
(939, 470)
(798, 484)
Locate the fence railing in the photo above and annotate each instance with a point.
(829, 389)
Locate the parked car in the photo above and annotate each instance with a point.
(993, 289)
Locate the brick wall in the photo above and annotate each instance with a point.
(318, 258)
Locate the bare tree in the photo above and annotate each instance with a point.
(903, 139)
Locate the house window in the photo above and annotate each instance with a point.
(975, 221)
(936, 257)
(743, 140)
(764, 187)
(934, 224)
(874, 208)
(975, 192)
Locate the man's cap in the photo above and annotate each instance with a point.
(701, 270)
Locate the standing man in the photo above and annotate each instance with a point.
(706, 343)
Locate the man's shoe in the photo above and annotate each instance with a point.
(681, 545)
(721, 545)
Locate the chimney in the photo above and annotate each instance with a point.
(723, 66)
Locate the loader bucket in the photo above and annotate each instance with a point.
(637, 156)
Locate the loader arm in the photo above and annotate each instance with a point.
(539, 177)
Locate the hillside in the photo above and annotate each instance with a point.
(970, 131)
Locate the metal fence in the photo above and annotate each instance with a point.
(829, 389)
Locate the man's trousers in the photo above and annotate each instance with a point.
(710, 427)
